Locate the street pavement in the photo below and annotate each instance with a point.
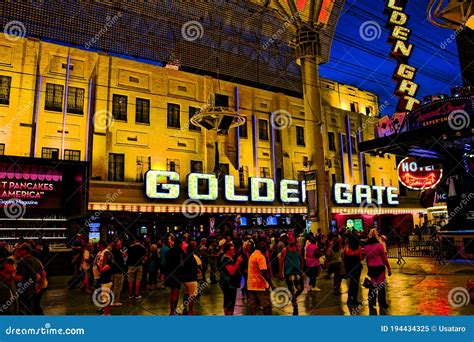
(418, 288)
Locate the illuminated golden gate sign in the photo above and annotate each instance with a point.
(401, 51)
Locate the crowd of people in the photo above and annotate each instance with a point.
(235, 261)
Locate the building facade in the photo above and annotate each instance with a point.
(125, 117)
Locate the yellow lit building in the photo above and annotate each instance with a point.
(126, 117)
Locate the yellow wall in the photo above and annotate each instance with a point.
(32, 64)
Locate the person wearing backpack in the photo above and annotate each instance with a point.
(290, 270)
(230, 277)
(313, 265)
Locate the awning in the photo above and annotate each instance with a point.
(29, 172)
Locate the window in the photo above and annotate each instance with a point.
(50, 153)
(173, 116)
(333, 179)
(345, 144)
(354, 145)
(221, 100)
(265, 172)
(243, 130)
(116, 167)
(373, 180)
(263, 129)
(331, 141)
(142, 111)
(224, 168)
(196, 166)
(72, 155)
(193, 111)
(119, 107)
(243, 176)
(54, 97)
(277, 135)
(300, 136)
(172, 165)
(301, 176)
(143, 165)
(75, 100)
(2, 149)
(368, 110)
(355, 107)
(5, 84)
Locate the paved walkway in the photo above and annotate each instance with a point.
(417, 288)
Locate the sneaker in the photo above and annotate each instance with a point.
(116, 304)
(138, 297)
(131, 297)
(316, 289)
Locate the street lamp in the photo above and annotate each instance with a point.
(312, 24)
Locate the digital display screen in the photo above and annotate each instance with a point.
(272, 221)
(243, 221)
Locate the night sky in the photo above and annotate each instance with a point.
(365, 63)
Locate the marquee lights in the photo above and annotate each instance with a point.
(401, 51)
(359, 194)
(165, 185)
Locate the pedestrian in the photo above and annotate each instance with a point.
(101, 248)
(202, 252)
(334, 264)
(189, 279)
(353, 255)
(213, 253)
(86, 265)
(153, 267)
(105, 281)
(163, 250)
(8, 293)
(30, 277)
(291, 270)
(259, 281)
(174, 263)
(247, 250)
(230, 277)
(313, 265)
(136, 255)
(77, 247)
(377, 262)
(118, 270)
